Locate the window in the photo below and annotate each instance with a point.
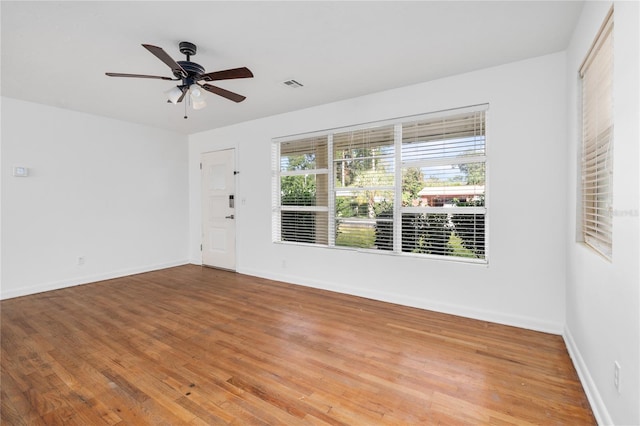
(409, 186)
(597, 141)
(444, 161)
(302, 191)
(363, 164)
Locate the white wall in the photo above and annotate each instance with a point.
(603, 318)
(113, 192)
(523, 283)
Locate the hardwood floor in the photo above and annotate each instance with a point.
(192, 345)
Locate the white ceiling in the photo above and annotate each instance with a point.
(56, 53)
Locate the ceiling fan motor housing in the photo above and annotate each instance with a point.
(194, 71)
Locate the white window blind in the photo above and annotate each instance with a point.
(363, 164)
(302, 191)
(597, 141)
(409, 186)
(443, 186)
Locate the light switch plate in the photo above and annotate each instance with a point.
(20, 171)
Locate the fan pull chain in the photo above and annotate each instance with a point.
(185, 108)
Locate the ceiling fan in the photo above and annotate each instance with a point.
(190, 76)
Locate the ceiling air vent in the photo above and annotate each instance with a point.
(292, 83)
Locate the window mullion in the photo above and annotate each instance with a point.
(397, 206)
(276, 194)
(365, 188)
(445, 210)
(331, 192)
(445, 161)
(305, 172)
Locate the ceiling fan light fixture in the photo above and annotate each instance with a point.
(195, 91)
(198, 103)
(174, 94)
(197, 100)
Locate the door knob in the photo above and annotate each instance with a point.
(229, 217)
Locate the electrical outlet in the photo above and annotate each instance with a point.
(80, 260)
(616, 375)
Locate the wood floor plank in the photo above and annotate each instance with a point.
(199, 346)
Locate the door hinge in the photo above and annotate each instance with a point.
(200, 166)
(235, 172)
(200, 247)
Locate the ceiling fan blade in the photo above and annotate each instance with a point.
(164, 57)
(117, 74)
(224, 93)
(228, 74)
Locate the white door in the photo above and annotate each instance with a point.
(218, 209)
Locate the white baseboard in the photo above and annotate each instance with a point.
(56, 285)
(597, 404)
(459, 310)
